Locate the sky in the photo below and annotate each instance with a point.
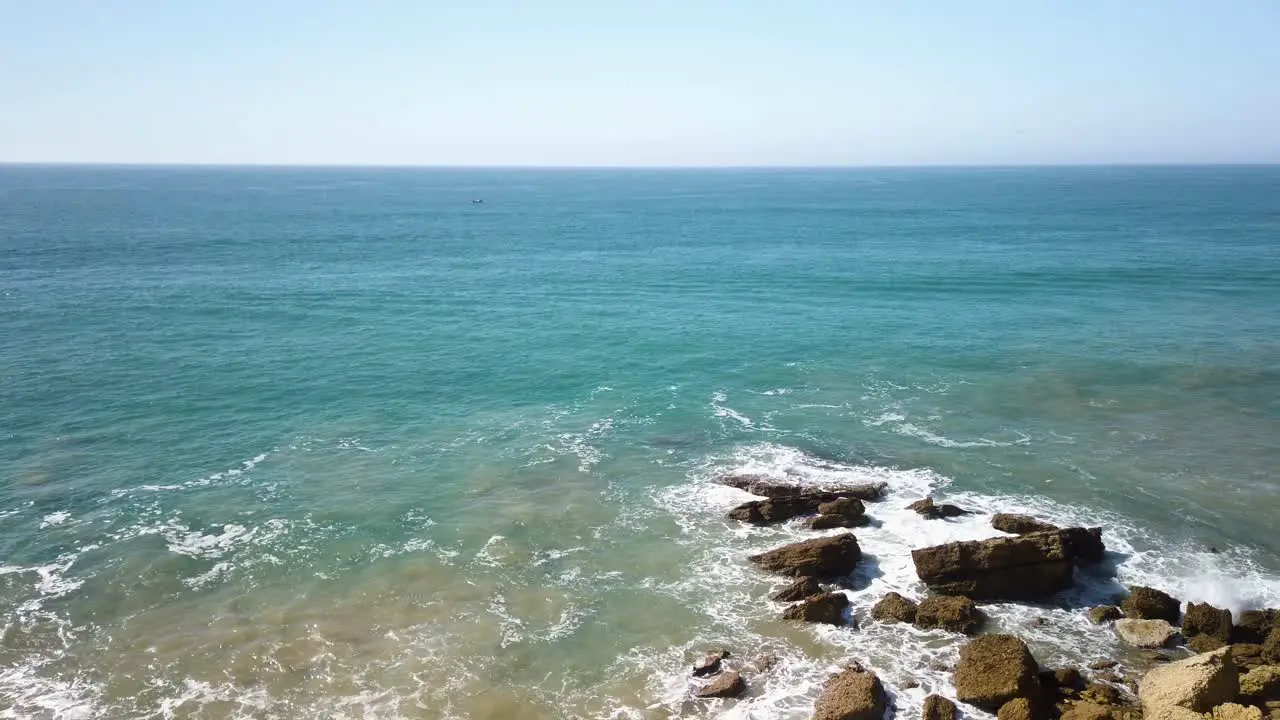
(640, 82)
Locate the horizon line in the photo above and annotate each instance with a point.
(531, 166)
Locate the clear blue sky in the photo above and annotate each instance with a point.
(603, 82)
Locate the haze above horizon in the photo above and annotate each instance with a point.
(571, 83)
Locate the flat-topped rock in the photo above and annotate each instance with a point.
(798, 590)
(951, 613)
(830, 556)
(1014, 568)
(826, 608)
(768, 487)
(853, 694)
(1146, 603)
(995, 669)
(936, 511)
(895, 608)
(1146, 633)
(1198, 684)
(1019, 524)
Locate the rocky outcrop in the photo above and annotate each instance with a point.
(937, 707)
(1146, 633)
(825, 608)
(1013, 568)
(995, 669)
(831, 556)
(1205, 619)
(1146, 603)
(1087, 711)
(1062, 680)
(845, 512)
(1271, 647)
(853, 694)
(710, 663)
(1233, 711)
(1016, 709)
(935, 511)
(1104, 613)
(1198, 684)
(1247, 656)
(1254, 626)
(1261, 684)
(950, 613)
(784, 507)
(765, 486)
(798, 590)
(895, 608)
(1204, 644)
(728, 685)
(1019, 524)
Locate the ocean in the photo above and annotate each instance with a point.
(343, 443)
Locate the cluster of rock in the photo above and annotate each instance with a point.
(1236, 676)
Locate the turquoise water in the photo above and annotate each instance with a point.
(342, 443)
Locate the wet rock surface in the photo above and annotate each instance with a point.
(1144, 603)
(853, 694)
(1012, 568)
(831, 556)
(995, 669)
(951, 613)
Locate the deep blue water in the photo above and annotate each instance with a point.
(392, 372)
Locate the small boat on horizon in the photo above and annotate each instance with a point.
(477, 202)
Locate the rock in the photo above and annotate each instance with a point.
(937, 707)
(993, 670)
(829, 522)
(1062, 678)
(830, 556)
(728, 685)
(1019, 524)
(1101, 694)
(1015, 568)
(1198, 683)
(853, 694)
(709, 664)
(1146, 603)
(1104, 613)
(1087, 711)
(1103, 664)
(848, 506)
(895, 608)
(1261, 684)
(1108, 676)
(1247, 656)
(933, 511)
(910, 685)
(1016, 709)
(763, 663)
(1146, 633)
(765, 486)
(1232, 711)
(1204, 643)
(1271, 647)
(825, 608)
(798, 590)
(784, 507)
(1205, 619)
(950, 613)
(1254, 626)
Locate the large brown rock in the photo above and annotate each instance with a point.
(765, 486)
(1016, 709)
(1205, 619)
(1233, 711)
(995, 669)
(830, 522)
(1202, 643)
(1198, 684)
(1146, 603)
(936, 511)
(853, 694)
(798, 590)
(710, 663)
(1271, 647)
(1019, 524)
(728, 685)
(1146, 633)
(847, 506)
(1254, 626)
(895, 608)
(1015, 568)
(1261, 684)
(831, 556)
(781, 508)
(1247, 656)
(950, 613)
(1104, 613)
(825, 608)
(937, 707)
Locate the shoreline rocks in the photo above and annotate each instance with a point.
(1019, 524)
(784, 507)
(951, 613)
(1146, 633)
(1146, 603)
(852, 694)
(799, 590)
(1197, 684)
(1104, 614)
(1025, 567)
(1205, 619)
(710, 663)
(937, 707)
(895, 608)
(995, 669)
(767, 487)
(826, 608)
(934, 511)
(830, 556)
(728, 685)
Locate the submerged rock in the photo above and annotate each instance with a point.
(831, 556)
(1014, 568)
(934, 511)
(895, 608)
(765, 486)
(1205, 619)
(798, 590)
(1146, 633)
(825, 608)
(995, 669)
(1146, 603)
(1104, 613)
(1019, 524)
(728, 685)
(937, 707)
(1197, 684)
(950, 613)
(710, 663)
(782, 508)
(853, 694)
